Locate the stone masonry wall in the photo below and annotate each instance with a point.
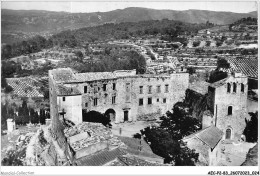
(127, 94)
(238, 101)
(73, 107)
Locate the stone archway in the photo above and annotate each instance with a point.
(111, 114)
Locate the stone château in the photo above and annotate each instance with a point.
(121, 95)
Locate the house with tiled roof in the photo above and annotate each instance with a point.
(25, 87)
(206, 143)
(94, 145)
(139, 148)
(246, 66)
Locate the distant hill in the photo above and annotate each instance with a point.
(39, 21)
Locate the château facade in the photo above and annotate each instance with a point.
(121, 95)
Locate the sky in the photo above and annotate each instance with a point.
(105, 5)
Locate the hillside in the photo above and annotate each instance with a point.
(79, 37)
(18, 24)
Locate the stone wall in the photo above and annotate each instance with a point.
(238, 101)
(127, 94)
(72, 106)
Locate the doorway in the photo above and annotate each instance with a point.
(125, 116)
(110, 114)
(228, 134)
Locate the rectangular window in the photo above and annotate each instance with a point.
(164, 100)
(63, 98)
(242, 87)
(149, 100)
(158, 89)
(166, 88)
(114, 86)
(104, 87)
(86, 104)
(113, 99)
(127, 87)
(95, 89)
(141, 89)
(230, 110)
(149, 89)
(141, 102)
(95, 101)
(85, 89)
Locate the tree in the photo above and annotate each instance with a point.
(219, 43)
(191, 70)
(222, 63)
(165, 140)
(217, 75)
(42, 116)
(95, 116)
(8, 89)
(208, 43)
(196, 43)
(251, 129)
(79, 55)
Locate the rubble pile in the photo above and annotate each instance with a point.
(94, 133)
(16, 156)
(43, 150)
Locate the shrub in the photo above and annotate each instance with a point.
(196, 43)
(251, 129)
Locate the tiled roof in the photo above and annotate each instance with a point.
(63, 75)
(200, 87)
(25, 87)
(66, 75)
(248, 66)
(134, 161)
(133, 147)
(100, 158)
(66, 91)
(210, 136)
(219, 83)
(92, 76)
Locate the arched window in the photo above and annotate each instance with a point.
(230, 110)
(228, 87)
(242, 87)
(228, 133)
(234, 87)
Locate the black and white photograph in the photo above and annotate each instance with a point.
(129, 83)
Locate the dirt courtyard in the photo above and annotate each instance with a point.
(128, 129)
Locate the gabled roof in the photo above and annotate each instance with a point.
(210, 136)
(93, 76)
(25, 87)
(134, 161)
(199, 87)
(101, 158)
(219, 83)
(134, 145)
(248, 66)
